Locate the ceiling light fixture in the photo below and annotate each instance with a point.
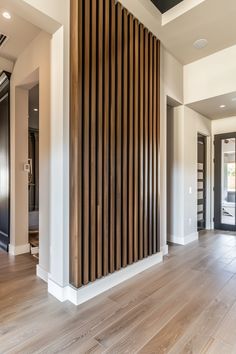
(6, 15)
(200, 43)
(222, 106)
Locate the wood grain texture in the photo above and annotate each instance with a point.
(187, 304)
(76, 125)
(136, 140)
(100, 108)
(114, 142)
(118, 195)
(86, 145)
(125, 141)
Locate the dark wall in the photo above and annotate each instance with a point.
(114, 135)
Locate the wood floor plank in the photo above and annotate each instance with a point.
(187, 304)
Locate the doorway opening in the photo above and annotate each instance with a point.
(33, 174)
(225, 182)
(201, 182)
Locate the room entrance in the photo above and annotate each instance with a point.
(225, 182)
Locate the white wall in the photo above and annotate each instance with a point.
(6, 65)
(211, 76)
(225, 125)
(53, 16)
(184, 125)
(35, 59)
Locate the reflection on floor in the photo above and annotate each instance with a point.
(185, 305)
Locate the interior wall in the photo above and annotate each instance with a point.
(225, 125)
(6, 65)
(53, 17)
(211, 76)
(34, 59)
(185, 124)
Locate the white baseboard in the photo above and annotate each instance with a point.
(185, 239)
(85, 293)
(41, 273)
(17, 250)
(165, 250)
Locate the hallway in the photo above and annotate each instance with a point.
(186, 305)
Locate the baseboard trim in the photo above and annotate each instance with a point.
(165, 250)
(81, 295)
(17, 250)
(185, 240)
(41, 273)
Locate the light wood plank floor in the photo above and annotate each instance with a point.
(185, 305)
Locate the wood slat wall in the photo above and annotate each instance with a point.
(114, 140)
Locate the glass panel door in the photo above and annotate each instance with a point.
(225, 181)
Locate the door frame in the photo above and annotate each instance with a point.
(217, 181)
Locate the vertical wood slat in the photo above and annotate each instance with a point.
(76, 144)
(115, 133)
(131, 154)
(113, 141)
(86, 145)
(100, 84)
(125, 140)
(154, 156)
(136, 139)
(93, 138)
(150, 140)
(141, 142)
(106, 141)
(118, 136)
(146, 143)
(158, 135)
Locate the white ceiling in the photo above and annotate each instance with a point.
(210, 108)
(181, 26)
(20, 32)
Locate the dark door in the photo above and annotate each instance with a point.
(4, 169)
(201, 183)
(225, 149)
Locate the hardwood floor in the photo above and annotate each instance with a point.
(185, 305)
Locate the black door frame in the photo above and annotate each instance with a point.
(5, 92)
(217, 181)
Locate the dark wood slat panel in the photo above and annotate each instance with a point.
(150, 214)
(136, 140)
(100, 108)
(125, 139)
(158, 145)
(93, 139)
(114, 130)
(86, 145)
(131, 141)
(141, 141)
(118, 137)
(106, 146)
(76, 126)
(113, 141)
(146, 143)
(154, 156)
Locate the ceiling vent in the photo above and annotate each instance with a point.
(3, 39)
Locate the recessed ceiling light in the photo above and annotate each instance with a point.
(36, 109)
(6, 15)
(222, 106)
(200, 43)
